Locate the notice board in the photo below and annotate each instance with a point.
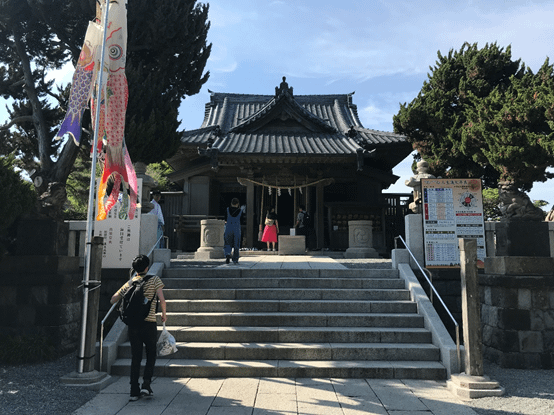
(452, 209)
(121, 236)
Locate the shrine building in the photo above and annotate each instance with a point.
(282, 151)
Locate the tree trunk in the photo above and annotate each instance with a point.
(38, 116)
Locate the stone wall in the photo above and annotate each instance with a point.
(40, 295)
(518, 320)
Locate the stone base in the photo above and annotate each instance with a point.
(89, 380)
(204, 253)
(523, 239)
(468, 387)
(361, 253)
(292, 245)
(42, 237)
(519, 265)
(162, 255)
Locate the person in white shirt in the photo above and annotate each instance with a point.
(156, 196)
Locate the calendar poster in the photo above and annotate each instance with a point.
(452, 209)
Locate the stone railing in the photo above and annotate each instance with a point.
(76, 240)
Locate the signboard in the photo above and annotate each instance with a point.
(452, 209)
(121, 236)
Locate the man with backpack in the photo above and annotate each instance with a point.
(139, 297)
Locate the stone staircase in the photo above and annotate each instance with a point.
(351, 323)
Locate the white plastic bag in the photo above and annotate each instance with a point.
(166, 343)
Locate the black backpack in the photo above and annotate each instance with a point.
(134, 306)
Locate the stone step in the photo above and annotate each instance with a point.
(176, 272)
(290, 369)
(299, 351)
(297, 319)
(235, 283)
(291, 306)
(248, 334)
(287, 294)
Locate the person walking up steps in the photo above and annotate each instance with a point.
(232, 235)
(145, 331)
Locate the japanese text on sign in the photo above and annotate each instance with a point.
(452, 209)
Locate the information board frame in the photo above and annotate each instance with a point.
(451, 209)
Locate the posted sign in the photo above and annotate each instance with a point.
(452, 209)
(121, 236)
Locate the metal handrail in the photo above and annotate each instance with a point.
(457, 326)
(112, 308)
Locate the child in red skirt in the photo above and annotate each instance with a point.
(271, 229)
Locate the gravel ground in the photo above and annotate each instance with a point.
(36, 389)
(528, 392)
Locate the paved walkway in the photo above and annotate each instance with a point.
(272, 396)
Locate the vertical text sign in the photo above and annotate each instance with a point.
(121, 236)
(452, 209)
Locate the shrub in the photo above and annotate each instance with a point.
(20, 349)
(19, 198)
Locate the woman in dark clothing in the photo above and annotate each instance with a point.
(232, 231)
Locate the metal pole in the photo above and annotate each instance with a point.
(90, 213)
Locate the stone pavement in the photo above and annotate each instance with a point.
(272, 396)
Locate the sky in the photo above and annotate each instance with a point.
(379, 49)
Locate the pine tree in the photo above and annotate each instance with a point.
(167, 54)
(433, 122)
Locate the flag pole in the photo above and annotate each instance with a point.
(90, 214)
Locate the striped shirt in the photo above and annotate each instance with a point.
(149, 289)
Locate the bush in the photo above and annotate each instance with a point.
(19, 349)
(19, 198)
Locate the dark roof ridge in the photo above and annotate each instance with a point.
(269, 96)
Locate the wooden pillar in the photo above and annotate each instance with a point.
(471, 307)
(319, 215)
(93, 303)
(250, 227)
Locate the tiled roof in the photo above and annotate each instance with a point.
(317, 125)
(286, 144)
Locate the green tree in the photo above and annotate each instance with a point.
(481, 114)
(20, 195)
(166, 57)
(491, 211)
(434, 120)
(159, 172)
(509, 131)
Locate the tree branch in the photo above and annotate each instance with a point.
(18, 120)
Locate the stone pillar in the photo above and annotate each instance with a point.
(414, 238)
(148, 183)
(249, 215)
(211, 239)
(471, 305)
(360, 240)
(320, 205)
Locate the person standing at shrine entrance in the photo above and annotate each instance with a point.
(156, 196)
(232, 232)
